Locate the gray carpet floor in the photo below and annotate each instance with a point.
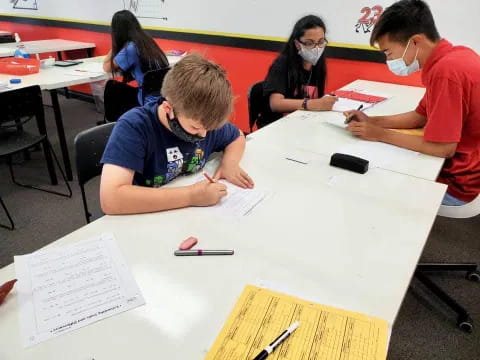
(424, 328)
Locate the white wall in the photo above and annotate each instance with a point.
(250, 18)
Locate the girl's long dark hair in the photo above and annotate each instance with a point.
(295, 61)
(125, 29)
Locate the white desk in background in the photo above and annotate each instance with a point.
(5, 53)
(46, 46)
(54, 78)
(315, 132)
(325, 234)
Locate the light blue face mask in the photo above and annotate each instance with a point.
(400, 68)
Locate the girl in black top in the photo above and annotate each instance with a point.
(296, 79)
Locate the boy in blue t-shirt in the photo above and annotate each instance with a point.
(153, 144)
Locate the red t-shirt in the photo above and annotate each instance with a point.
(452, 106)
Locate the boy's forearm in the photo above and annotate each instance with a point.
(409, 120)
(132, 199)
(234, 151)
(416, 143)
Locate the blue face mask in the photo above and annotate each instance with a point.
(181, 133)
(400, 68)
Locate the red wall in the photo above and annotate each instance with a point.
(244, 66)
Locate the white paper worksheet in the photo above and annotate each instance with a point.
(348, 104)
(65, 288)
(238, 202)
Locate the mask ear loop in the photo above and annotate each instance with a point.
(416, 55)
(405, 51)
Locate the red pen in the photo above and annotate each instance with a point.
(208, 177)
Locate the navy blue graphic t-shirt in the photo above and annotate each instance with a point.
(140, 142)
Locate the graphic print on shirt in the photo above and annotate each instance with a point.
(175, 163)
(308, 91)
(311, 92)
(195, 162)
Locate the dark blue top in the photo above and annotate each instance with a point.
(140, 142)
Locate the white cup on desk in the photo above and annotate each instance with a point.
(44, 63)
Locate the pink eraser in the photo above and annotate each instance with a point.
(188, 243)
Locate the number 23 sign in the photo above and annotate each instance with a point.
(369, 18)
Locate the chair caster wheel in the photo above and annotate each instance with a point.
(465, 323)
(473, 276)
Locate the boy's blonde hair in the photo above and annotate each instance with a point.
(198, 89)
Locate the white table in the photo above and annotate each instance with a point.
(53, 78)
(328, 235)
(311, 131)
(46, 46)
(5, 52)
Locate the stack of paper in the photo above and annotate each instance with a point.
(344, 104)
(261, 315)
(90, 69)
(65, 288)
(352, 100)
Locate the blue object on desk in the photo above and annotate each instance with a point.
(15, 81)
(21, 53)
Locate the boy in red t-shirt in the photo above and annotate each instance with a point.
(450, 109)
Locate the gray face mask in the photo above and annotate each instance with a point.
(311, 55)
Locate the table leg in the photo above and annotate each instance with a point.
(61, 134)
(60, 57)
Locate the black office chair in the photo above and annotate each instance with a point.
(7, 39)
(18, 108)
(152, 82)
(11, 225)
(89, 147)
(464, 321)
(118, 98)
(255, 100)
(259, 113)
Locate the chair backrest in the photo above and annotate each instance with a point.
(89, 147)
(468, 210)
(259, 112)
(255, 103)
(118, 98)
(22, 104)
(152, 82)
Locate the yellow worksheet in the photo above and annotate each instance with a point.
(326, 333)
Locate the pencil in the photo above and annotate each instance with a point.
(208, 177)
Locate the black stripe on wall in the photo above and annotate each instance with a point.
(245, 43)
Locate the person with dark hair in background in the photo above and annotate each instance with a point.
(450, 110)
(133, 52)
(296, 79)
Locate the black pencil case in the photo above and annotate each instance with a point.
(349, 162)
